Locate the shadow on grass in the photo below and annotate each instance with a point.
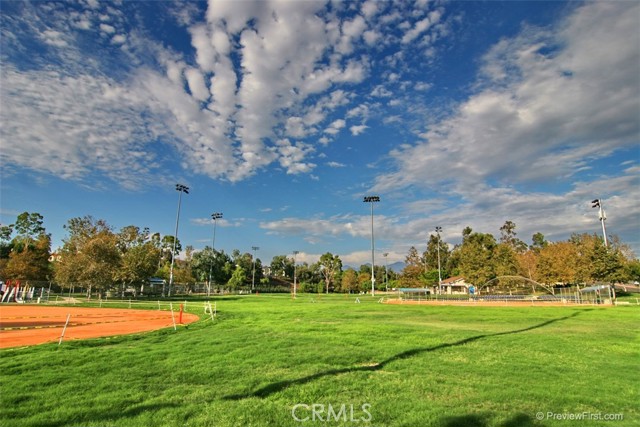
(107, 416)
(281, 385)
(484, 420)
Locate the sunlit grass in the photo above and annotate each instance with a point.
(414, 365)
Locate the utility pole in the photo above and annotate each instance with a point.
(181, 189)
(253, 280)
(438, 231)
(372, 200)
(294, 273)
(215, 217)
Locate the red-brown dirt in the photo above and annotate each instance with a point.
(22, 325)
(487, 303)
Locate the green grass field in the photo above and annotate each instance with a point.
(268, 360)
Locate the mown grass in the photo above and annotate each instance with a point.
(414, 366)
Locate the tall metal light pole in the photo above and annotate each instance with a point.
(597, 203)
(253, 280)
(372, 200)
(438, 231)
(386, 286)
(294, 273)
(215, 217)
(181, 189)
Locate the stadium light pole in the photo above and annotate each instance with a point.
(438, 231)
(294, 273)
(215, 217)
(253, 280)
(372, 200)
(181, 189)
(597, 203)
(386, 286)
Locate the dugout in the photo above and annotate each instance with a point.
(597, 294)
(413, 294)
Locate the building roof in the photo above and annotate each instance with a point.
(454, 280)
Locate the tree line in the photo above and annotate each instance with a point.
(480, 258)
(97, 258)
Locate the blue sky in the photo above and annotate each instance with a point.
(282, 115)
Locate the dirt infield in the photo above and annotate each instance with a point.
(515, 303)
(22, 325)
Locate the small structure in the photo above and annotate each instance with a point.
(155, 286)
(598, 294)
(414, 294)
(455, 286)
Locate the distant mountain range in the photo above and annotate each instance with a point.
(396, 266)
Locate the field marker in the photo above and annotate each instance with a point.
(64, 329)
(172, 317)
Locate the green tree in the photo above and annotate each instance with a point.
(476, 253)
(237, 278)
(26, 256)
(330, 267)
(430, 256)
(508, 236)
(90, 256)
(538, 241)
(633, 270)
(504, 260)
(411, 276)
(29, 261)
(139, 256)
(349, 281)
(282, 267)
(558, 263)
(245, 261)
(212, 263)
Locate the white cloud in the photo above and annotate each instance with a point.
(195, 80)
(335, 127)
(381, 92)
(292, 156)
(70, 126)
(358, 129)
(538, 115)
(108, 29)
(422, 86)
(54, 38)
(119, 39)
